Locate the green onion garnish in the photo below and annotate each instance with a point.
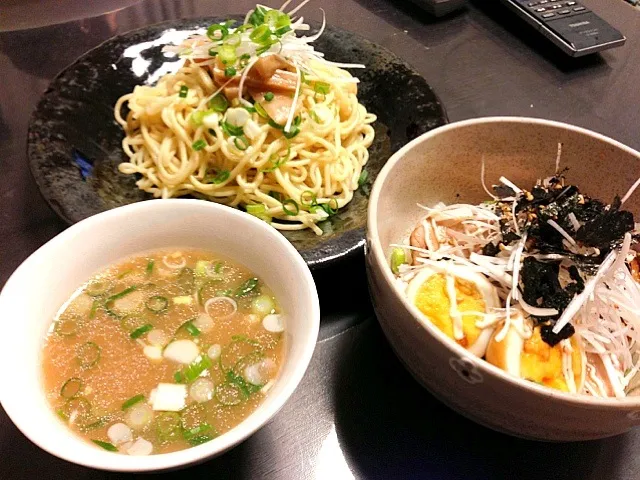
(229, 394)
(292, 133)
(150, 265)
(241, 143)
(247, 287)
(94, 309)
(221, 177)
(67, 326)
(132, 401)
(234, 40)
(227, 54)
(257, 16)
(277, 195)
(183, 91)
(219, 103)
(217, 32)
(71, 388)
(157, 304)
(308, 198)
(213, 52)
(106, 445)
(229, 72)
(255, 208)
(290, 207)
(261, 34)
(329, 209)
(398, 257)
(232, 130)
(168, 425)
(261, 111)
(88, 354)
(362, 179)
(321, 87)
(269, 96)
(193, 370)
(97, 287)
(197, 117)
(198, 145)
(314, 116)
(190, 328)
(121, 294)
(138, 332)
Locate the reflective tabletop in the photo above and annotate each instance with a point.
(357, 413)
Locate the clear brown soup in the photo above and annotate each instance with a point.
(163, 351)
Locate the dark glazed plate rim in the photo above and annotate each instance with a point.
(325, 253)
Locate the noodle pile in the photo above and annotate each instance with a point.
(299, 180)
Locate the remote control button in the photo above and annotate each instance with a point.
(548, 15)
(542, 2)
(532, 4)
(570, 4)
(555, 7)
(564, 12)
(541, 9)
(578, 9)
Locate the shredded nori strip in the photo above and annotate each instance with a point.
(552, 339)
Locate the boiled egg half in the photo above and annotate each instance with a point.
(451, 297)
(559, 367)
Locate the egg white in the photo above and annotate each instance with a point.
(487, 290)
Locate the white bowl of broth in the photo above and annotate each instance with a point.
(156, 335)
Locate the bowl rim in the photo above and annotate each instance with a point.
(377, 251)
(110, 461)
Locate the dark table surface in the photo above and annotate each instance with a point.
(357, 413)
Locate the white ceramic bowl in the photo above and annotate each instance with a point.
(443, 165)
(49, 276)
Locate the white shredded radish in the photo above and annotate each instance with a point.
(574, 221)
(510, 184)
(562, 231)
(558, 155)
(630, 191)
(273, 323)
(140, 447)
(119, 433)
(181, 351)
(482, 180)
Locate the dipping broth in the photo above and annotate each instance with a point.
(163, 351)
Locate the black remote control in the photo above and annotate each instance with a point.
(569, 24)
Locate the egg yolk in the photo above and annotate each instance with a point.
(542, 363)
(432, 299)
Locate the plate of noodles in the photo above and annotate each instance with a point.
(285, 119)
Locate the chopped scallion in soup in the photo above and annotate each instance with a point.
(163, 351)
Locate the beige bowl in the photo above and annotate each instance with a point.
(444, 165)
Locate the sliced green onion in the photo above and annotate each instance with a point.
(321, 87)
(200, 439)
(241, 143)
(257, 16)
(246, 288)
(277, 195)
(292, 132)
(398, 257)
(297, 120)
(150, 264)
(329, 209)
(213, 52)
(190, 328)
(190, 433)
(229, 72)
(94, 309)
(132, 401)
(106, 445)
(157, 304)
(282, 30)
(233, 39)
(121, 294)
(269, 96)
(232, 130)
(79, 405)
(290, 207)
(124, 274)
(227, 54)
(168, 425)
(308, 198)
(184, 90)
(261, 34)
(208, 290)
(198, 145)
(245, 56)
(219, 103)
(88, 354)
(284, 20)
(217, 32)
(261, 111)
(99, 423)
(249, 109)
(138, 332)
(197, 117)
(314, 116)
(71, 388)
(220, 177)
(263, 305)
(193, 370)
(362, 179)
(256, 208)
(96, 288)
(132, 322)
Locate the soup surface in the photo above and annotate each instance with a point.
(163, 351)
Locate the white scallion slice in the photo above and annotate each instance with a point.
(182, 351)
(201, 390)
(119, 433)
(214, 351)
(140, 447)
(139, 416)
(273, 323)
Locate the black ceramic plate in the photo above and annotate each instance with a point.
(74, 144)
